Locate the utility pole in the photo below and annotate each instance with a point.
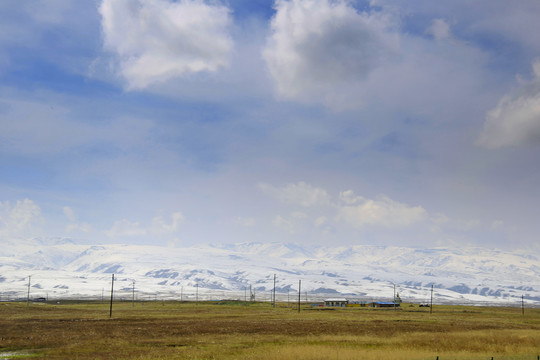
(197, 293)
(133, 295)
(181, 293)
(274, 296)
(112, 292)
(431, 303)
(28, 294)
(522, 305)
(299, 293)
(394, 297)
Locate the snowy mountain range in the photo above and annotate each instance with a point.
(63, 268)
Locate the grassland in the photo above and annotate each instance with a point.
(171, 330)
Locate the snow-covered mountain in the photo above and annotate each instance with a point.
(62, 268)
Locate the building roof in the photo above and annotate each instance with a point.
(336, 300)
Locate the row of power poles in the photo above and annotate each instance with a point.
(252, 295)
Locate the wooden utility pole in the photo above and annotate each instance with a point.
(522, 305)
(197, 293)
(28, 294)
(133, 295)
(431, 302)
(299, 293)
(274, 294)
(394, 297)
(112, 292)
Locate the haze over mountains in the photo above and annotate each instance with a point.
(63, 268)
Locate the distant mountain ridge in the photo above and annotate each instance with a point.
(63, 268)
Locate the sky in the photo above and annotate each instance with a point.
(316, 122)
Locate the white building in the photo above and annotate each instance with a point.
(336, 302)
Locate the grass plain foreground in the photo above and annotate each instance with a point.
(237, 330)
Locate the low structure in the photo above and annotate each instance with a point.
(336, 302)
(383, 304)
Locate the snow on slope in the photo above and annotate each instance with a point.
(61, 268)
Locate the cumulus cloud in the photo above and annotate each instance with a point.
(155, 40)
(318, 47)
(301, 194)
(20, 219)
(382, 211)
(516, 118)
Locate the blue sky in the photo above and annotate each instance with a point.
(309, 121)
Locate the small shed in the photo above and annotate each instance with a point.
(336, 302)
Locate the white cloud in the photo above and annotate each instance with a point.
(21, 219)
(298, 194)
(75, 225)
(516, 118)
(382, 211)
(318, 49)
(349, 197)
(156, 40)
(125, 228)
(440, 29)
(351, 210)
(159, 226)
(70, 214)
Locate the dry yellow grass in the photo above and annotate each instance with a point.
(257, 331)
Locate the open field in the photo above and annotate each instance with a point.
(172, 330)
